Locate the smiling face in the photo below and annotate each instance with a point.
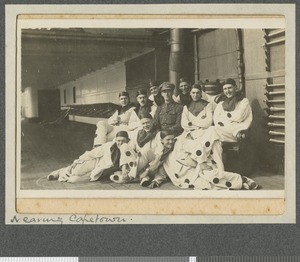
(124, 100)
(167, 95)
(168, 141)
(184, 87)
(142, 99)
(147, 124)
(154, 90)
(229, 90)
(121, 140)
(195, 94)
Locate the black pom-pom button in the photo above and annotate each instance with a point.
(131, 164)
(207, 144)
(228, 115)
(198, 153)
(216, 180)
(190, 123)
(128, 153)
(228, 184)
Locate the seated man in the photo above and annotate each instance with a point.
(144, 138)
(155, 96)
(99, 162)
(168, 116)
(147, 166)
(184, 92)
(231, 116)
(106, 130)
(197, 116)
(144, 106)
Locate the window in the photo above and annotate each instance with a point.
(65, 96)
(74, 94)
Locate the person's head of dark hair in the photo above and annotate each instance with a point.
(124, 93)
(229, 81)
(145, 115)
(197, 86)
(153, 83)
(165, 133)
(183, 79)
(122, 134)
(141, 92)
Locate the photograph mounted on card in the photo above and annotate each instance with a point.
(152, 114)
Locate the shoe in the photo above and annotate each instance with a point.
(53, 176)
(187, 162)
(153, 184)
(145, 181)
(118, 178)
(249, 184)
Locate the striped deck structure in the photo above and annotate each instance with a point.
(45, 148)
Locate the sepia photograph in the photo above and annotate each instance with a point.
(152, 107)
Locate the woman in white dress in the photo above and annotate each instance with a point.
(107, 130)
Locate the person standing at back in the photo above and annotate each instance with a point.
(168, 116)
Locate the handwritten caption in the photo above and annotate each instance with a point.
(72, 219)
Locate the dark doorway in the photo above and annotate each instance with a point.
(48, 104)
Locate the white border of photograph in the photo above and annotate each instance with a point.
(256, 16)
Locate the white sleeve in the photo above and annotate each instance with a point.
(134, 121)
(113, 118)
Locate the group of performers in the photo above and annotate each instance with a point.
(166, 137)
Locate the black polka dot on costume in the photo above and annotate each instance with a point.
(95, 135)
(220, 124)
(191, 186)
(187, 181)
(139, 154)
(228, 184)
(128, 153)
(131, 164)
(211, 152)
(229, 115)
(216, 180)
(190, 123)
(198, 153)
(176, 175)
(207, 144)
(116, 177)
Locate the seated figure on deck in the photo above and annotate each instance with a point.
(99, 162)
(168, 116)
(106, 130)
(197, 116)
(147, 167)
(144, 106)
(231, 116)
(155, 96)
